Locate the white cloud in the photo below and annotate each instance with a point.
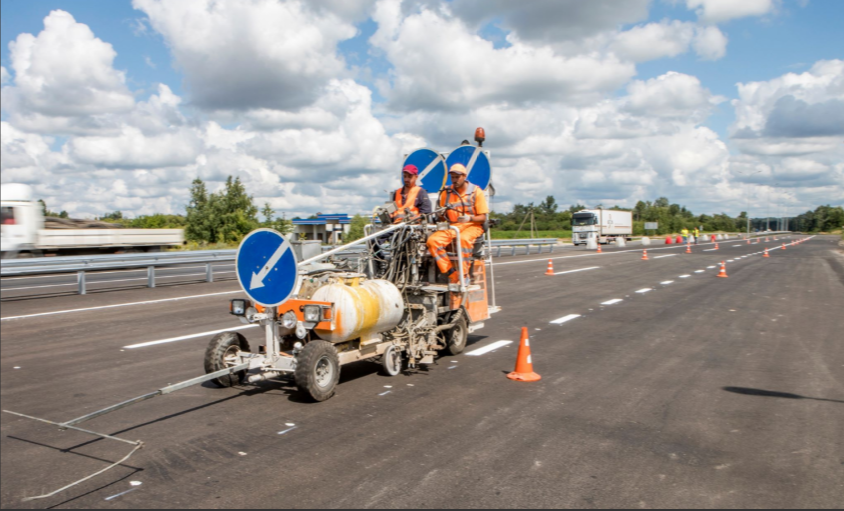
(671, 95)
(547, 21)
(710, 43)
(26, 157)
(241, 54)
(668, 39)
(717, 11)
(440, 64)
(4, 75)
(654, 40)
(799, 110)
(65, 71)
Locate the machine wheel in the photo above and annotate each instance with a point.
(222, 353)
(457, 337)
(318, 370)
(391, 361)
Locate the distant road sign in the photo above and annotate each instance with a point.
(266, 267)
(651, 226)
(431, 165)
(476, 162)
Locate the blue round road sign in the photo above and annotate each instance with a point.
(266, 267)
(475, 161)
(431, 165)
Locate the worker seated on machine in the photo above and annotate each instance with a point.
(467, 210)
(411, 200)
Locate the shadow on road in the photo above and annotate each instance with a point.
(772, 393)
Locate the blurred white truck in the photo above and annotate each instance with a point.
(24, 231)
(605, 225)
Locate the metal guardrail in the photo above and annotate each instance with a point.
(81, 265)
(527, 243)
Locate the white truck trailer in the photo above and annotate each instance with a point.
(605, 225)
(23, 231)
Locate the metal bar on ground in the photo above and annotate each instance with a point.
(80, 279)
(150, 276)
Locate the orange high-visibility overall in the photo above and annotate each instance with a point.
(472, 202)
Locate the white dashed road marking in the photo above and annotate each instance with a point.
(562, 320)
(186, 337)
(579, 269)
(486, 349)
(612, 302)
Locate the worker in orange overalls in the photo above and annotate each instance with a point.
(467, 211)
(411, 200)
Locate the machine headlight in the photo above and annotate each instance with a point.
(312, 313)
(289, 320)
(238, 306)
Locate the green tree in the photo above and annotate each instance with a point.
(282, 225)
(356, 228)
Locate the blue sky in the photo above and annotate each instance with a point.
(654, 144)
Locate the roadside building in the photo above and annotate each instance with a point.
(329, 229)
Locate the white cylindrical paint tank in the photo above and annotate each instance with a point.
(360, 308)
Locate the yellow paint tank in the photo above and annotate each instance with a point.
(361, 308)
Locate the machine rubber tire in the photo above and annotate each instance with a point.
(222, 344)
(318, 370)
(391, 362)
(457, 337)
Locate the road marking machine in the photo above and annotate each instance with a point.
(387, 304)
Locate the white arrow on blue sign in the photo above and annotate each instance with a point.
(431, 165)
(266, 267)
(476, 162)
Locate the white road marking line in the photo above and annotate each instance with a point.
(118, 305)
(54, 275)
(486, 349)
(560, 321)
(286, 430)
(385, 393)
(699, 271)
(665, 283)
(186, 337)
(660, 257)
(579, 269)
(645, 290)
(90, 282)
(121, 493)
(613, 301)
(737, 245)
(709, 250)
(730, 260)
(685, 276)
(710, 267)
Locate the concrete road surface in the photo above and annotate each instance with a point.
(662, 386)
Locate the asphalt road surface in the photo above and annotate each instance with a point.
(688, 391)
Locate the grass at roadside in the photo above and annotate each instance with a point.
(192, 245)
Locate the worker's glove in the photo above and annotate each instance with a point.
(465, 219)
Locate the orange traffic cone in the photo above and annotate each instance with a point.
(688, 248)
(723, 272)
(524, 364)
(599, 248)
(550, 270)
(775, 238)
(766, 253)
(783, 246)
(645, 255)
(748, 241)
(766, 239)
(716, 246)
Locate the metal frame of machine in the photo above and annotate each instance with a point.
(389, 306)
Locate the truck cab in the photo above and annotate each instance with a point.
(20, 219)
(584, 225)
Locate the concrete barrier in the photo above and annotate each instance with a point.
(620, 242)
(591, 244)
(646, 240)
